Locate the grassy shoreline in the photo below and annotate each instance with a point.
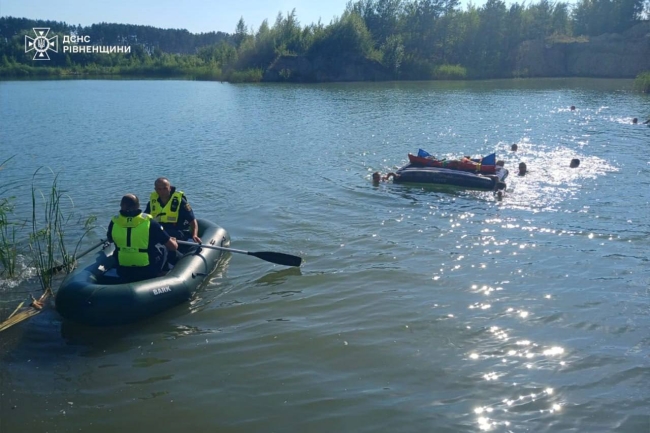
(641, 82)
(207, 73)
(212, 72)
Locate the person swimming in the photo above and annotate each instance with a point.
(377, 177)
(522, 169)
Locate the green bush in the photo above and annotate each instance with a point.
(247, 76)
(208, 73)
(450, 72)
(642, 82)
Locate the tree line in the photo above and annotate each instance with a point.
(406, 39)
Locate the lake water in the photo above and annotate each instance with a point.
(415, 310)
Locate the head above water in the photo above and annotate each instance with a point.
(574, 163)
(522, 168)
(635, 120)
(376, 177)
(514, 147)
(573, 107)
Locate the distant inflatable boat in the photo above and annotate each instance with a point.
(476, 174)
(457, 178)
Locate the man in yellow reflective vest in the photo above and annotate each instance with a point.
(170, 208)
(135, 235)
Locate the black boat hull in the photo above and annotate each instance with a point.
(449, 177)
(90, 296)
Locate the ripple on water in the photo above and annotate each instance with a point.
(415, 309)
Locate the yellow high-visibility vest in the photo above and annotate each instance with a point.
(168, 213)
(131, 238)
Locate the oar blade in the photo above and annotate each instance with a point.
(269, 256)
(279, 258)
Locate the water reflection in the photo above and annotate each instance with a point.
(490, 417)
(448, 308)
(510, 357)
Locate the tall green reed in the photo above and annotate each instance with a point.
(46, 244)
(47, 240)
(8, 229)
(8, 248)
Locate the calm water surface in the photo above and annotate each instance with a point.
(416, 310)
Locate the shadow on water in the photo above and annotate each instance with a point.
(276, 278)
(90, 341)
(440, 194)
(451, 190)
(93, 340)
(49, 333)
(39, 334)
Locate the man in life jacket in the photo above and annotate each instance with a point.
(136, 236)
(170, 208)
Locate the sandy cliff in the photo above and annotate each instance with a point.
(607, 56)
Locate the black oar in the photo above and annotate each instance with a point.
(56, 269)
(269, 256)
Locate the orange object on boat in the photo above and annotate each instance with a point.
(465, 164)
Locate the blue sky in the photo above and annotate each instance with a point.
(194, 15)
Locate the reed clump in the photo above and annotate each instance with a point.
(46, 245)
(47, 240)
(8, 250)
(8, 230)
